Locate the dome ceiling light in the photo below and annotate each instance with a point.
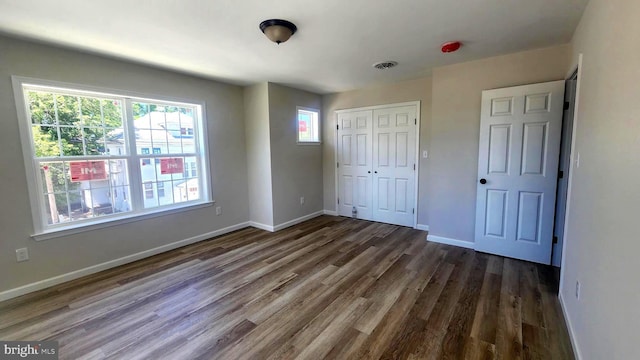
(278, 30)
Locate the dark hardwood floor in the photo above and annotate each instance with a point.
(331, 287)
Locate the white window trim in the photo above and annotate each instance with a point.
(319, 142)
(40, 231)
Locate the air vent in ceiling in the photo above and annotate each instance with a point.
(384, 65)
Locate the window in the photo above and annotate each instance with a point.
(148, 190)
(161, 189)
(308, 126)
(90, 153)
(157, 151)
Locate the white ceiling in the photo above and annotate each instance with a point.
(336, 43)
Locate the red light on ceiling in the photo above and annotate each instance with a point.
(451, 46)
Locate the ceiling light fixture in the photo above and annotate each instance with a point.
(384, 65)
(278, 30)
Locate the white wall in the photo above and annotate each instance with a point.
(296, 169)
(601, 242)
(280, 170)
(256, 107)
(224, 113)
(455, 128)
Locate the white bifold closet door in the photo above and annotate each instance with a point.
(377, 164)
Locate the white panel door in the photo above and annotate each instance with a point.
(354, 164)
(520, 131)
(394, 160)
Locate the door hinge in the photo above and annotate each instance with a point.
(338, 165)
(555, 239)
(567, 105)
(414, 167)
(338, 201)
(560, 174)
(337, 127)
(413, 211)
(415, 121)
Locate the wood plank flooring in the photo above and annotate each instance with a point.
(331, 287)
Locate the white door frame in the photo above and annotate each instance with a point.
(417, 148)
(565, 236)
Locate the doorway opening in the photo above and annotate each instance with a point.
(564, 167)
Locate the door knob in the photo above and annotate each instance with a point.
(483, 181)
(369, 171)
(376, 172)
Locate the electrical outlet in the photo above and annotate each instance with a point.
(218, 210)
(578, 290)
(22, 254)
(425, 154)
(301, 200)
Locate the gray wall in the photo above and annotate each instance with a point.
(455, 129)
(413, 90)
(256, 107)
(296, 169)
(601, 242)
(224, 106)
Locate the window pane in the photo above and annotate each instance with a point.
(41, 107)
(165, 192)
(193, 189)
(180, 191)
(45, 141)
(94, 141)
(168, 128)
(148, 170)
(56, 208)
(53, 175)
(190, 167)
(98, 200)
(118, 172)
(91, 112)
(121, 196)
(112, 113)
(76, 203)
(71, 139)
(150, 199)
(68, 110)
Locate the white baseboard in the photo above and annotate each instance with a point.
(330, 212)
(422, 227)
(572, 335)
(261, 226)
(448, 241)
(285, 224)
(43, 284)
(298, 220)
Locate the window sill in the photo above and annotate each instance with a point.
(114, 221)
(309, 143)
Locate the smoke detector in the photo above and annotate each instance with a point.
(384, 65)
(451, 46)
